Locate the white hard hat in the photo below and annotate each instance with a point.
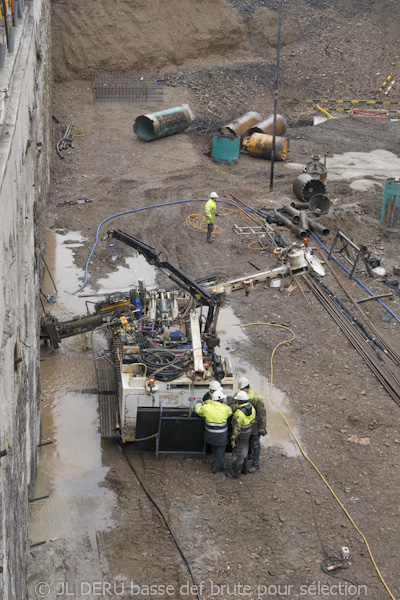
(218, 395)
(214, 195)
(242, 397)
(214, 386)
(243, 383)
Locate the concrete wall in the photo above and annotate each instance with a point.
(24, 172)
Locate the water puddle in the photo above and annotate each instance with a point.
(229, 331)
(126, 277)
(71, 470)
(64, 274)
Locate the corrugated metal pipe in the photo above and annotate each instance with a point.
(163, 123)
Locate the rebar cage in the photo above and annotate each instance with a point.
(126, 87)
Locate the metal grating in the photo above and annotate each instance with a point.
(126, 87)
(108, 397)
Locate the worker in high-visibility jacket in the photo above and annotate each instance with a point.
(242, 425)
(213, 387)
(259, 426)
(216, 414)
(211, 213)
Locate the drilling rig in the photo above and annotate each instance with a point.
(158, 354)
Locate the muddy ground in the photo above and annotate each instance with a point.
(260, 530)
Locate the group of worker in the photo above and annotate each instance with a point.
(249, 422)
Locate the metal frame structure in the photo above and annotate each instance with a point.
(351, 253)
(249, 234)
(125, 87)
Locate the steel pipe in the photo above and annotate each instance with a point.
(304, 220)
(300, 205)
(267, 126)
(295, 214)
(163, 123)
(301, 233)
(314, 226)
(240, 125)
(260, 145)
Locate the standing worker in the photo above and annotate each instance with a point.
(242, 425)
(213, 387)
(216, 415)
(211, 213)
(260, 423)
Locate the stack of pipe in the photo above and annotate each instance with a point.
(298, 222)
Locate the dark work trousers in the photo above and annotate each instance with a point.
(239, 454)
(210, 228)
(219, 455)
(255, 450)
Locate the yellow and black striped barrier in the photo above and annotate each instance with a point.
(340, 105)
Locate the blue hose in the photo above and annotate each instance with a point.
(355, 278)
(133, 211)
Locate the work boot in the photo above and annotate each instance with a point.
(215, 471)
(253, 469)
(210, 241)
(233, 476)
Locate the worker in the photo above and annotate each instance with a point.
(216, 414)
(211, 213)
(260, 423)
(213, 387)
(242, 425)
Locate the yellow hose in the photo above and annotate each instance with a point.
(310, 461)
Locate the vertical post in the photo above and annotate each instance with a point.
(5, 18)
(13, 13)
(278, 52)
(3, 49)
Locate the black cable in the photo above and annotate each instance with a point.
(164, 519)
(339, 562)
(164, 364)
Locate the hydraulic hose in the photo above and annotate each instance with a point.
(134, 210)
(355, 278)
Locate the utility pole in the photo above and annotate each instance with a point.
(278, 53)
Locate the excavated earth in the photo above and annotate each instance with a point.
(270, 528)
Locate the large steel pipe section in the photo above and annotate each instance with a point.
(260, 146)
(301, 233)
(305, 187)
(300, 205)
(316, 227)
(267, 126)
(295, 214)
(163, 123)
(240, 125)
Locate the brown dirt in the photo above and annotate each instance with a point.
(220, 55)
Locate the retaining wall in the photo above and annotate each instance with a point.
(24, 173)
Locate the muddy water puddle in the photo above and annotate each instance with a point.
(229, 331)
(71, 470)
